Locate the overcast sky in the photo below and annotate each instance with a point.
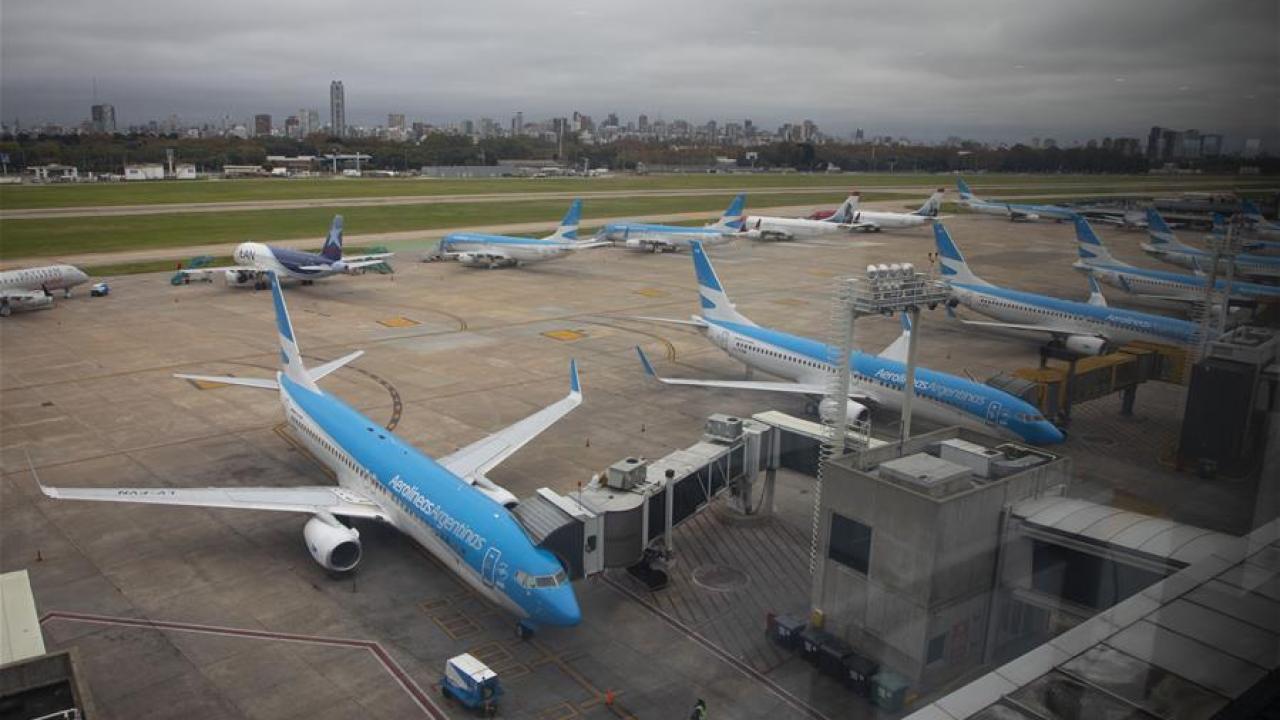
(989, 69)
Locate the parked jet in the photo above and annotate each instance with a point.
(877, 220)
(33, 288)
(1166, 246)
(1088, 328)
(878, 380)
(671, 238)
(1013, 211)
(255, 261)
(764, 227)
(495, 251)
(1259, 224)
(447, 506)
(1158, 285)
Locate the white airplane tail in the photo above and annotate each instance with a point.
(847, 210)
(954, 267)
(933, 206)
(711, 294)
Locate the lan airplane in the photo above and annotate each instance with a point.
(644, 237)
(765, 227)
(256, 261)
(447, 506)
(875, 220)
(1089, 328)
(495, 251)
(874, 380)
(1013, 211)
(1159, 285)
(1166, 246)
(33, 288)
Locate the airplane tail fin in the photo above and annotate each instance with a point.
(711, 294)
(333, 243)
(568, 229)
(1089, 246)
(1096, 298)
(953, 265)
(735, 215)
(847, 209)
(897, 350)
(1250, 210)
(933, 206)
(1219, 224)
(290, 356)
(965, 193)
(1159, 231)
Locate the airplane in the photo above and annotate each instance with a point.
(446, 505)
(874, 379)
(1013, 211)
(1259, 224)
(32, 288)
(875, 220)
(763, 227)
(671, 238)
(495, 251)
(1087, 328)
(256, 260)
(1159, 285)
(1166, 246)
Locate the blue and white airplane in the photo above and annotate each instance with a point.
(647, 237)
(1166, 246)
(875, 379)
(1088, 328)
(447, 506)
(1159, 285)
(255, 261)
(495, 251)
(1259, 224)
(1013, 211)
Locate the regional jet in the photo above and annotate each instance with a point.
(448, 506)
(876, 380)
(1087, 328)
(255, 261)
(32, 288)
(1166, 246)
(495, 251)
(876, 220)
(1015, 212)
(646, 237)
(1158, 285)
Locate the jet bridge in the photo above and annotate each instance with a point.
(624, 518)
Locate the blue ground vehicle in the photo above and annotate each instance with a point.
(471, 683)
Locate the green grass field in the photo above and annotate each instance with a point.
(14, 197)
(64, 236)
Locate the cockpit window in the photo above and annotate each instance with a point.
(541, 581)
(1030, 417)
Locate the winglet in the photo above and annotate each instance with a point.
(644, 360)
(906, 322)
(575, 386)
(48, 491)
(1096, 298)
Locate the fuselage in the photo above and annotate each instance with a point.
(940, 397)
(1052, 212)
(1141, 281)
(516, 249)
(891, 220)
(1117, 325)
(464, 529)
(793, 227)
(1197, 259)
(643, 236)
(48, 277)
(286, 262)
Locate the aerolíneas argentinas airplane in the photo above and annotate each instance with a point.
(875, 379)
(1089, 328)
(671, 238)
(1013, 211)
(1160, 285)
(495, 251)
(1259, 224)
(447, 506)
(255, 261)
(33, 288)
(1166, 246)
(877, 220)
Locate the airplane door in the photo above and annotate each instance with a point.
(993, 413)
(490, 565)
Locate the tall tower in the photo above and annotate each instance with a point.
(337, 109)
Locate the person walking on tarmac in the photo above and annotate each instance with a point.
(699, 710)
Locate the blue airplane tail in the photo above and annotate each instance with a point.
(965, 193)
(733, 217)
(290, 356)
(568, 229)
(333, 243)
(1250, 210)
(712, 297)
(1089, 246)
(953, 265)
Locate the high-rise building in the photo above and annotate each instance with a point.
(337, 109)
(517, 124)
(1211, 144)
(1252, 148)
(643, 124)
(104, 118)
(262, 124)
(395, 121)
(304, 123)
(292, 127)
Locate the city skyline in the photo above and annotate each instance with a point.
(986, 70)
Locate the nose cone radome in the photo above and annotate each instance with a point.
(1046, 433)
(560, 607)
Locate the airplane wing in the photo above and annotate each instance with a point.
(1051, 330)
(205, 270)
(371, 258)
(763, 386)
(306, 499)
(22, 295)
(474, 460)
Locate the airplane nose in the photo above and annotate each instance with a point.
(562, 607)
(1049, 434)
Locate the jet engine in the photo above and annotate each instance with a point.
(857, 411)
(1086, 345)
(334, 545)
(475, 259)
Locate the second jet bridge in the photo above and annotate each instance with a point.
(624, 518)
